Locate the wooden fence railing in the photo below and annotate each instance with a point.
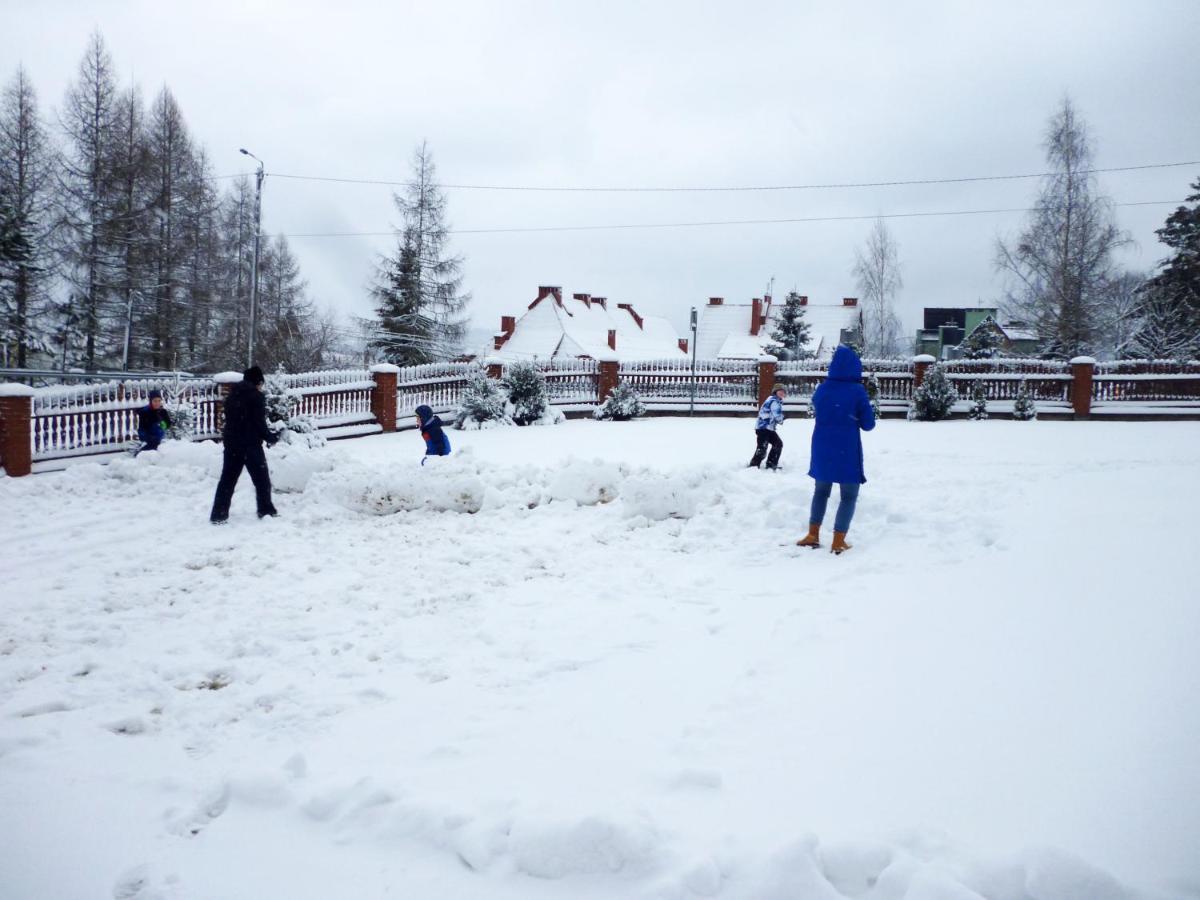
(45, 424)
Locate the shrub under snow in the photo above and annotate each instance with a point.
(621, 405)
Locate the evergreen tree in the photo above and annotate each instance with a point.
(934, 399)
(26, 216)
(418, 292)
(183, 420)
(1024, 407)
(791, 331)
(284, 417)
(528, 402)
(982, 343)
(1170, 308)
(978, 410)
(621, 405)
(1060, 266)
(872, 385)
(482, 401)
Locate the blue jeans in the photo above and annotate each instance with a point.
(845, 510)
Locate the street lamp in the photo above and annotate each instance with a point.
(692, 405)
(258, 183)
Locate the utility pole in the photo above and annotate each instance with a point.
(258, 183)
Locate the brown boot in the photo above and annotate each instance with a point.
(812, 539)
(839, 544)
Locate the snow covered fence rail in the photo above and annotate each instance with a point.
(437, 385)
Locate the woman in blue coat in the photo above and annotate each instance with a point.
(842, 409)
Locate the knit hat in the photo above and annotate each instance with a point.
(778, 387)
(155, 395)
(253, 375)
(424, 413)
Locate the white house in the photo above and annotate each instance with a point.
(742, 330)
(583, 325)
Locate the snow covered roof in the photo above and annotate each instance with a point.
(724, 329)
(579, 326)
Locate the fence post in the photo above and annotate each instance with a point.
(1083, 370)
(495, 368)
(383, 395)
(16, 428)
(766, 377)
(921, 364)
(609, 373)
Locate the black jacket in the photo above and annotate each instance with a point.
(246, 418)
(152, 423)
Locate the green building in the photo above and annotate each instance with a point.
(946, 327)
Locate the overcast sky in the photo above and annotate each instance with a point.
(650, 93)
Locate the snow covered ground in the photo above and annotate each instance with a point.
(522, 673)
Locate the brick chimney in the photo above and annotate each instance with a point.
(508, 324)
(632, 312)
(755, 315)
(716, 301)
(683, 344)
(612, 339)
(601, 302)
(544, 291)
(586, 298)
(804, 300)
(849, 301)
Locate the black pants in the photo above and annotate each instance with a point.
(767, 436)
(254, 461)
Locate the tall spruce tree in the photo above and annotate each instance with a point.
(26, 160)
(1060, 266)
(1170, 307)
(791, 330)
(418, 291)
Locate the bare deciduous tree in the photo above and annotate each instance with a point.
(877, 271)
(1061, 265)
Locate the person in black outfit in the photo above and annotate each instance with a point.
(244, 433)
(153, 422)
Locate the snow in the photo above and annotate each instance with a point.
(12, 389)
(587, 661)
(385, 368)
(227, 377)
(1083, 361)
(924, 358)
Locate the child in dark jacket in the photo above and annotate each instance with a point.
(436, 442)
(153, 422)
(843, 410)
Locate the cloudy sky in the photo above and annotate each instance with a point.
(656, 94)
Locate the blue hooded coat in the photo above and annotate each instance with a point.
(842, 409)
(436, 442)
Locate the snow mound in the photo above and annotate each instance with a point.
(588, 846)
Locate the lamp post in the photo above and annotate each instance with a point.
(692, 404)
(258, 183)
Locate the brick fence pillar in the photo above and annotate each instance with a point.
(225, 382)
(495, 369)
(1083, 370)
(383, 395)
(766, 377)
(607, 382)
(921, 365)
(16, 428)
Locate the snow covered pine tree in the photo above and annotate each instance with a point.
(873, 393)
(1024, 407)
(284, 418)
(935, 397)
(528, 403)
(622, 405)
(978, 410)
(482, 404)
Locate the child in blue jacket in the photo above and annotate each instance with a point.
(843, 409)
(153, 422)
(770, 416)
(436, 442)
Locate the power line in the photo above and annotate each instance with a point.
(555, 228)
(729, 189)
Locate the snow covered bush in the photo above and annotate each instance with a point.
(935, 397)
(528, 402)
(1024, 407)
(621, 405)
(978, 410)
(284, 418)
(482, 404)
(183, 421)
